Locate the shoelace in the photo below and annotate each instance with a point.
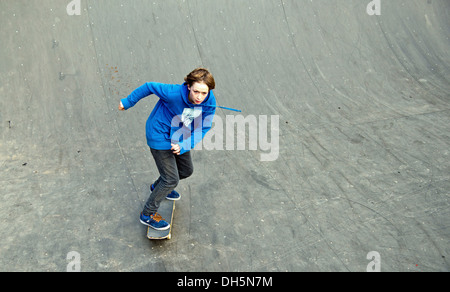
(157, 217)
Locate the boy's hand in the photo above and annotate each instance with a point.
(121, 108)
(176, 149)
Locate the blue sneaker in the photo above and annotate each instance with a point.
(173, 196)
(155, 221)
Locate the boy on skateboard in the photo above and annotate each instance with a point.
(180, 119)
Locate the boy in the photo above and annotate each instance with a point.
(180, 119)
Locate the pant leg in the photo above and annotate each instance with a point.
(184, 165)
(168, 179)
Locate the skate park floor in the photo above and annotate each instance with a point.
(356, 108)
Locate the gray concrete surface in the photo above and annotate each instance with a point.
(363, 164)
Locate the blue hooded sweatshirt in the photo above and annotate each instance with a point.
(174, 120)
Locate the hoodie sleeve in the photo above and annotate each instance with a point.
(197, 134)
(159, 89)
(200, 132)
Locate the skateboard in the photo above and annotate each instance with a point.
(166, 210)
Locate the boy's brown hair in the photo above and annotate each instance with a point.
(201, 75)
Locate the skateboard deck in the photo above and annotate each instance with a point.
(166, 210)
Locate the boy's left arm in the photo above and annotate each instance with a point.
(195, 136)
(200, 132)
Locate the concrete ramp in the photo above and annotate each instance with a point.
(345, 115)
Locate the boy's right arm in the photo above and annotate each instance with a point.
(161, 90)
(138, 94)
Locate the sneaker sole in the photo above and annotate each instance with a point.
(172, 199)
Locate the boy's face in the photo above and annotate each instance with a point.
(198, 92)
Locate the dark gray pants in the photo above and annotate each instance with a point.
(172, 168)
